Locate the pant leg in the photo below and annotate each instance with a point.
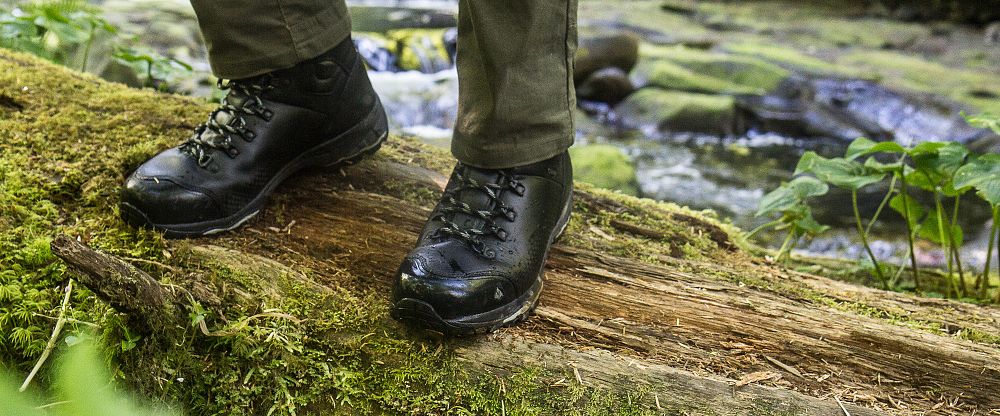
(253, 37)
(515, 74)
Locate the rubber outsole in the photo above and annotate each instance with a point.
(317, 157)
(418, 313)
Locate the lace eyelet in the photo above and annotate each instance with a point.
(502, 234)
(233, 152)
(510, 214)
(249, 135)
(517, 187)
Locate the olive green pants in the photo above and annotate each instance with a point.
(515, 65)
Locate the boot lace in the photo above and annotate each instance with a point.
(229, 120)
(474, 236)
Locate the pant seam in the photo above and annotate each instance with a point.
(288, 28)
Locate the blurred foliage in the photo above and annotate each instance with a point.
(82, 387)
(73, 33)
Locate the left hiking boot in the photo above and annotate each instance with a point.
(479, 261)
(321, 112)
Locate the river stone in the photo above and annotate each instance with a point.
(378, 51)
(605, 166)
(848, 109)
(992, 34)
(609, 85)
(674, 111)
(423, 50)
(695, 70)
(596, 53)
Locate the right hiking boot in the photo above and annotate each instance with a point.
(322, 112)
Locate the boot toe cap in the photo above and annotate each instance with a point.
(451, 296)
(158, 201)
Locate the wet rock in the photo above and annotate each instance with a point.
(609, 85)
(674, 111)
(687, 69)
(384, 19)
(596, 53)
(377, 50)
(605, 166)
(847, 109)
(992, 34)
(423, 50)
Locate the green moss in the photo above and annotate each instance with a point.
(605, 166)
(678, 111)
(916, 74)
(794, 59)
(690, 69)
(420, 49)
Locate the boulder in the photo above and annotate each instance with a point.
(610, 85)
(674, 111)
(687, 69)
(595, 53)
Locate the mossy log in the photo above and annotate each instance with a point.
(666, 308)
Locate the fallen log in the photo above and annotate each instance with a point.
(644, 301)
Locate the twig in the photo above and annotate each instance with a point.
(52, 339)
(153, 262)
(846, 413)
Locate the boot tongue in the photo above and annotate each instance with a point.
(477, 198)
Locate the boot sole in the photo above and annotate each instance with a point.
(421, 314)
(374, 129)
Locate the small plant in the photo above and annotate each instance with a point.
(157, 69)
(66, 32)
(61, 31)
(944, 170)
(850, 175)
(789, 200)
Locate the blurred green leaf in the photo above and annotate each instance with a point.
(983, 174)
(916, 209)
(863, 146)
(791, 194)
(930, 232)
(840, 172)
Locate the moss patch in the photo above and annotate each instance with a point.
(605, 166)
(678, 111)
(689, 69)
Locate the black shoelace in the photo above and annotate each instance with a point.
(474, 236)
(228, 120)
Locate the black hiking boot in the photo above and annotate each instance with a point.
(478, 263)
(322, 112)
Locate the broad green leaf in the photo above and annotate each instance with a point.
(840, 172)
(983, 174)
(940, 159)
(863, 146)
(916, 209)
(790, 194)
(930, 232)
(809, 225)
(875, 165)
